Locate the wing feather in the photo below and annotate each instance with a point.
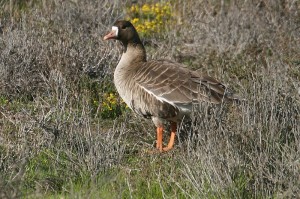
(174, 83)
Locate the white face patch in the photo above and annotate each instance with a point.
(116, 29)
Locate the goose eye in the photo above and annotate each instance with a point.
(124, 27)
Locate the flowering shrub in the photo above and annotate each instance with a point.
(110, 107)
(150, 18)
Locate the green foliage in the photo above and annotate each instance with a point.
(105, 101)
(53, 171)
(3, 101)
(241, 186)
(46, 170)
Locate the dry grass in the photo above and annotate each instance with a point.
(53, 64)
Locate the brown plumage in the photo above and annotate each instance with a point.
(162, 90)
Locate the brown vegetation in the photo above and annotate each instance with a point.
(54, 65)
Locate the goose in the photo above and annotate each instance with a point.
(162, 90)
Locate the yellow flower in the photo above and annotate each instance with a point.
(140, 28)
(146, 8)
(134, 8)
(166, 8)
(157, 10)
(135, 20)
(147, 24)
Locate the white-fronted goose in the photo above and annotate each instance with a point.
(161, 90)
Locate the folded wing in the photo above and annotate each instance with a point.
(174, 83)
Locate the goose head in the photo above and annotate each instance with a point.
(125, 32)
(134, 50)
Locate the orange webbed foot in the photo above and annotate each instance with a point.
(159, 142)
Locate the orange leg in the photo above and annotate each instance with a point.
(172, 137)
(159, 137)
